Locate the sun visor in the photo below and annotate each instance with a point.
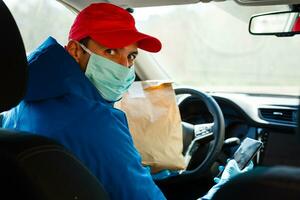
(77, 5)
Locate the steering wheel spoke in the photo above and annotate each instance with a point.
(203, 130)
(205, 137)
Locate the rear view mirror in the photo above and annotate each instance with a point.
(279, 24)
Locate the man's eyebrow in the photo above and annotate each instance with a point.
(135, 52)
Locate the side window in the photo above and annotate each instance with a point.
(38, 19)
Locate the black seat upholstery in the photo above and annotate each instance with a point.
(33, 167)
(262, 184)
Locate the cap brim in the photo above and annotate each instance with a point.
(122, 38)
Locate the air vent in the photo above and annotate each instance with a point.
(278, 115)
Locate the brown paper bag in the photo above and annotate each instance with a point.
(155, 124)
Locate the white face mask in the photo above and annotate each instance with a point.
(111, 79)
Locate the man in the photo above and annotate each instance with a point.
(71, 92)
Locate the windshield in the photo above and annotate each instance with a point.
(208, 46)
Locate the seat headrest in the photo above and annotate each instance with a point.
(13, 62)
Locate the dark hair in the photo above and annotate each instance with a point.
(84, 41)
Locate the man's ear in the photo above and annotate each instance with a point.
(74, 49)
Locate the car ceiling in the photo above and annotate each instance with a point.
(78, 5)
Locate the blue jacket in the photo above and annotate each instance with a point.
(61, 103)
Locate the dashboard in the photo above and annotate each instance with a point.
(271, 119)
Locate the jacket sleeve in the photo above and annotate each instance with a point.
(96, 134)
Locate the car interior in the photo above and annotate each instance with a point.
(214, 124)
(32, 167)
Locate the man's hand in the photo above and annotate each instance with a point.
(231, 170)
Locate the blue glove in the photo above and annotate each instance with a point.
(231, 170)
(162, 174)
(218, 178)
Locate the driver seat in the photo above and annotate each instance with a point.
(33, 167)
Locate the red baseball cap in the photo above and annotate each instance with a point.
(112, 27)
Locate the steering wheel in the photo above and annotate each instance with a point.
(210, 133)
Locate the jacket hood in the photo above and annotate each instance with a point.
(53, 73)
